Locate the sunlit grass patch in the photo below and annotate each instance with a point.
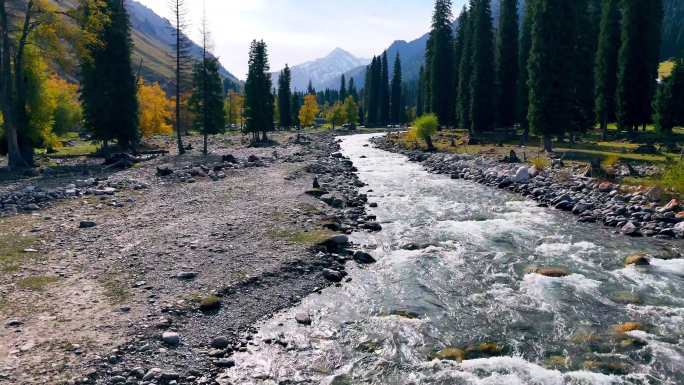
(12, 251)
(36, 283)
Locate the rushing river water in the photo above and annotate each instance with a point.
(466, 291)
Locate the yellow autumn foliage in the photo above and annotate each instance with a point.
(155, 111)
(309, 111)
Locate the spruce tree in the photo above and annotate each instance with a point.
(109, 89)
(607, 64)
(507, 63)
(343, 88)
(482, 81)
(582, 56)
(206, 101)
(523, 78)
(550, 98)
(285, 97)
(310, 90)
(351, 89)
(296, 105)
(384, 90)
(258, 98)
(396, 103)
(439, 61)
(420, 96)
(638, 61)
(465, 69)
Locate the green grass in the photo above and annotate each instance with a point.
(115, 290)
(81, 149)
(306, 238)
(12, 254)
(36, 283)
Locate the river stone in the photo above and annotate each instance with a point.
(186, 275)
(372, 226)
(13, 323)
(630, 229)
(363, 258)
(450, 354)
(86, 224)
(637, 260)
(522, 175)
(673, 205)
(224, 363)
(171, 338)
(220, 342)
(337, 241)
(303, 319)
(553, 272)
(332, 275)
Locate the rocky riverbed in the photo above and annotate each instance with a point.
(157, 273)
(632, 212)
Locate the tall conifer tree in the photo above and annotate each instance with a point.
(343, 88)
(523, 59)
(420, 97)
(507, 62)
(258, 98)
(109, 89)
(607, 64)
(285, 97)
(384, 90)
(439, 61)
(396, 103)
(465, 69)
(482, 81)
(638, 61)
(206, 101)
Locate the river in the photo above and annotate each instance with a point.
(453, 280)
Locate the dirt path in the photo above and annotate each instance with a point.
(88, 305)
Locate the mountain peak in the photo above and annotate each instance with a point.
(339, 52)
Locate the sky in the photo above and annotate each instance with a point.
(297, 31)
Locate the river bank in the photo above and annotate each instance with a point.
(160, 279)
(633, 213)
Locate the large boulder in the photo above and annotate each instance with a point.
(522, 175)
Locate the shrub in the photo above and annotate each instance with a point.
(540, 163)
(609, 163)
(425, 127)
(673, 177)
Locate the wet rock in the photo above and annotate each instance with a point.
(363, 258)
(553, 272)
(187, 275)
(372, 226)
(333, 275)
(373, 204)
(224, 363)
(637, 260)
(164, 171)
(86, 224)
(337, 242)
(450, 354)
(679, 229)
(229, 159)
(627, 327)
(303, 319)
(220, 342)
(171, 338)
(316, 184)
(630, 229)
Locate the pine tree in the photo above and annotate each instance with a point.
(507, 63)
(439, 59)
(669, 101)
(258, 98)
(465, 69)
(396, 103)
(523, 78)
(420, 97)
(285, 97)
(183, 62)
(206, 102)
(482, 81)
(310, 90)
(638, 61)
(607, 64)
(343, 88)
(109, 89)
(384, 90)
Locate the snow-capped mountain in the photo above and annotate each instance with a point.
(322, 71)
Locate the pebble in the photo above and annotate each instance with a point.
(303, 319)
(13, 323)
(86, 224)
(171, 338)
(220, 342)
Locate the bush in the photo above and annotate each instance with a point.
(425, 127)
(673, 177)
(609, 163)
(540, 163)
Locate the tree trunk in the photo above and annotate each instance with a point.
(181, 149)
(15, 160)
(205, 151)
(548, 146)
(428, 141)
(604, 126)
